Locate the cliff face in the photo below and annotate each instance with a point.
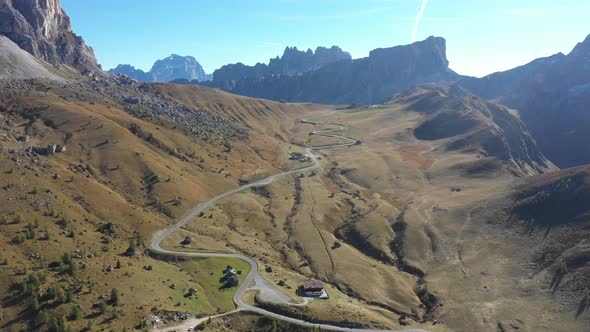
(369, 80)
(42, 28)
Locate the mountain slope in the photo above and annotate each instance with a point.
(546, 218)
(128, 169)
(42, 28)
(471, 124)
(552, 95)
(15, 63)
(368, 80)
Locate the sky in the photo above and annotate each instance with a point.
(483, 36)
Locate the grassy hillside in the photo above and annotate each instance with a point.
(391, 225)
(66, 217)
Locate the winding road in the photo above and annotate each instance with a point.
(266, 290)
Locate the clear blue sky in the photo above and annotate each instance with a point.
(483, 36)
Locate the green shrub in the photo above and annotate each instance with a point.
(114, 297)
(102, 307)
(42, 317)
(75, 312)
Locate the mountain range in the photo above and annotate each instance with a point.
(168, 69)
(373, 79)
(293, 62)
(552, 95)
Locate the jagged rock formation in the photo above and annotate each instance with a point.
(42, 28)
(292, 62)
(470, 124)
(552, 95)
(369, 80)
(174, 67)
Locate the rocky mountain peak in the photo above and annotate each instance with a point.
(177, 67)
(293, 62)
(42, 28)
(582, 49)
(430, 53)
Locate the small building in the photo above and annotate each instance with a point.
(299, 156)
(313, 288)
(233, 281)
(229, 271)
(295, 155)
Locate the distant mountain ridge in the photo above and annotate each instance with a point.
(369, 80)
(171, 68)
(292, 62)
(552, 95)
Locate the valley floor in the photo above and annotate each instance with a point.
(394, 225)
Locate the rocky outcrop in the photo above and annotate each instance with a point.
(292, 62)
(42, 28)
(369, 80)
(173, 68)
(552, 95)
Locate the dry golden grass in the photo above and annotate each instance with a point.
(376, 221)
(112, 187)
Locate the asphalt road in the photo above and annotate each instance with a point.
(267, 291)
